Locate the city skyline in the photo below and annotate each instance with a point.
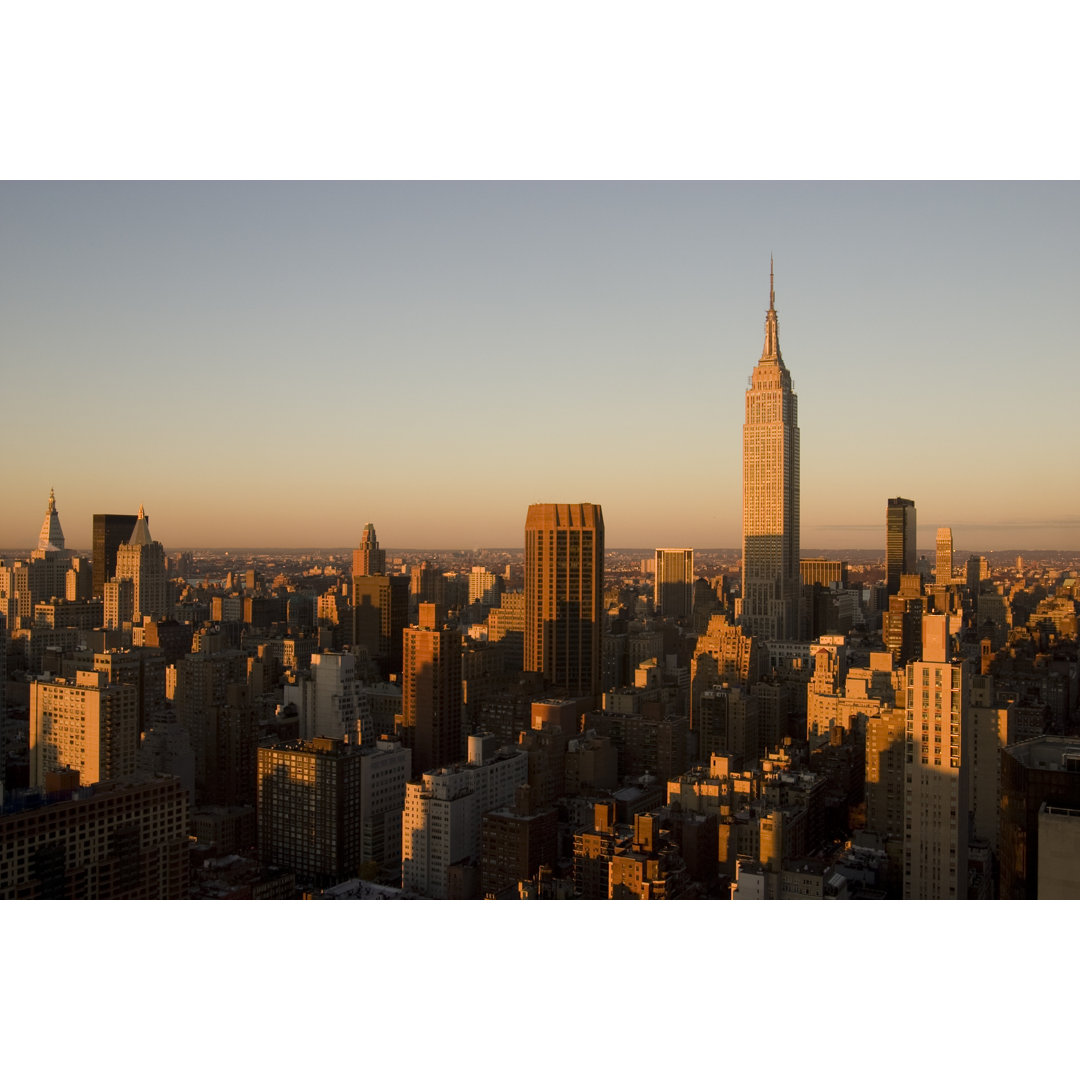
(241, 347)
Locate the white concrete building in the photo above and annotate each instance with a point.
(331, 703)
(444, 810)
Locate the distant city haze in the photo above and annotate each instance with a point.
(270, 364)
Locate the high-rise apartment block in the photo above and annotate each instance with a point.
(83, 724)
(441, 824)
(936, 771)
(770, 564)
(331, 702)
(110, 531)
(431, 692)
(564, 594)
(899, 542)
(673, 588)
(125, 840)
(485, 587)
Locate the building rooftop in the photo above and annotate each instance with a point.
(1054, 753)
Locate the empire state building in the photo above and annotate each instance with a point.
(770, 568)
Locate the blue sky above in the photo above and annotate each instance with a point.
(277, 363)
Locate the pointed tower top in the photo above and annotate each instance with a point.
(140, 535)
(771, 351)
(51, 537)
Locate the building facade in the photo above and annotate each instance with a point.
(142, 562)
(112, 841)
(309, 809)
(943, 565)
(899, 542)
(673, 588)
(368, 559)
(380, 614)
(936, 777)
(770, 563)
(444, 810)
(564, 593)
(83, 724)
(110, 531)
(431, 692)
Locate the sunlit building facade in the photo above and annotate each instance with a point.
(674, 582)
(564, 593)
(770, 565)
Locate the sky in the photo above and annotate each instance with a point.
(266, 364)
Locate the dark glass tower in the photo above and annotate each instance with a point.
(110, 531)
(899, 542)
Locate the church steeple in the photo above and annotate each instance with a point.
(771, 351)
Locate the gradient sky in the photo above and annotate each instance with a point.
(270, 364)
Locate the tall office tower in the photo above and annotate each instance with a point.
(770, 563)
(943, 566)
(49, 562)
(977, 570)
(368, 558)
(110, 531)
(142, 562)
(937, 784)
(564, 595)
(380, 613)
(901, 624)
(899, 542)
(673, 588)
(308, 809)
(83, 724)
(431, 692)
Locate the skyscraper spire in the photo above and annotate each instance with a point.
(140, 535)
(771, 351)
(51, 537)
(771, 582)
